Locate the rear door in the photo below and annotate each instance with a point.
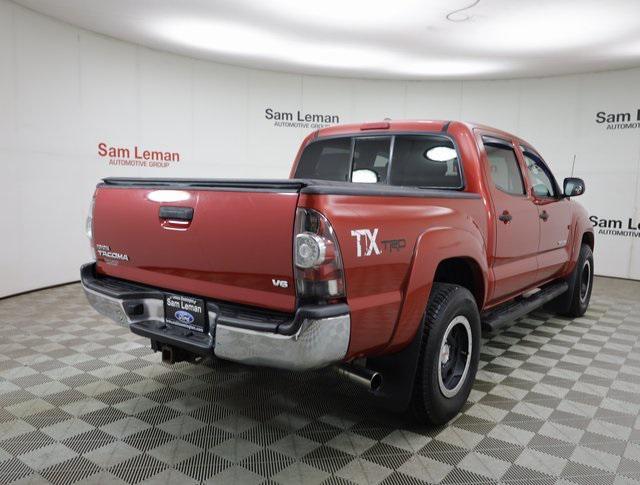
(228, 243)
(554, 212)
(516, 219)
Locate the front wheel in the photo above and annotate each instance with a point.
(449, 354)
(577, 301)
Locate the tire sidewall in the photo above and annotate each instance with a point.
(445, 408)
(585, 256)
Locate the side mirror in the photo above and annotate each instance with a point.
(364, 176)
(573, 187)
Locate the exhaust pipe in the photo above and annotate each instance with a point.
(368, 378)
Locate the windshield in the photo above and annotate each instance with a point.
(424, 160)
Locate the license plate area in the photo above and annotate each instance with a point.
(186, 312)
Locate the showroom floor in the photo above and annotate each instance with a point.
(556, 401)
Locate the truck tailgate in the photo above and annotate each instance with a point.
(230, 241)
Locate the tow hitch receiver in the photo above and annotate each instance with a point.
(173, 355)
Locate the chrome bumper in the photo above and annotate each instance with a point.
(318, 342)
(153, 308)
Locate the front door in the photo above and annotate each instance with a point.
(517, 223)
(554, 212)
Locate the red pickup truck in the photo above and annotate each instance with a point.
(385, 254)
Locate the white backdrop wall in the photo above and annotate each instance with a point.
(64, 90)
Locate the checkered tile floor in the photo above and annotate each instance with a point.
(83, 400)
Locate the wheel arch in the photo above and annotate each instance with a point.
(463, 271)
(582, 234)
(588, 239)
(453, 255)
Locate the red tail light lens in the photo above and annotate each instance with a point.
(317, 262)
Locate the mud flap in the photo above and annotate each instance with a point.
(398, 374)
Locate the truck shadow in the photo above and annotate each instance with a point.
(270, 395)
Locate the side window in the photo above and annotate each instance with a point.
(541, 179)
(371, 160)
(504, 168)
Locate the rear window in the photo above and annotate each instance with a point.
(371, 159)
(429, 161)
(425, 161)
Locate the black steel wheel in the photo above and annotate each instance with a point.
(449, 354)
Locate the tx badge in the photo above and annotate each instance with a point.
(368, 237)
(367, 243)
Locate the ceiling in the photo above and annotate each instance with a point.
(402, 39)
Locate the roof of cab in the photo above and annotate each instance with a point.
(403, 125)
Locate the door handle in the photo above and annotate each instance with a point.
(505, 217)
(176, 213)
(544, 215)
(175, 218)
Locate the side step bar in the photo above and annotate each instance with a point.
(501, 316)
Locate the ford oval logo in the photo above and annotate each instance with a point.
(184, 317)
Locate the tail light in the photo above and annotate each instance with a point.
(89, 226)
(89, 222)
(318, 265)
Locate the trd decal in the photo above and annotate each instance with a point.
(368, 237)
(392, 245)
(279, 283)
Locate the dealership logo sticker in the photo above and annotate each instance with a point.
(184, 317)
(300, 119)
(616, 227)
(618, 121)
(136, 156)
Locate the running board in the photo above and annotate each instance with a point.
(499, 317)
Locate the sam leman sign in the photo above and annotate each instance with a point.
(300, 119)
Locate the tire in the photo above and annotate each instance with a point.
(445, 376)
(575, 301)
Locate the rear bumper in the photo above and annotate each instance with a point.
(314, 337)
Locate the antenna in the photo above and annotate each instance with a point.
(573, 164)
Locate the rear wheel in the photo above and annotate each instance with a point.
(449, 354)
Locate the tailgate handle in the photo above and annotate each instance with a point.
(176, 213)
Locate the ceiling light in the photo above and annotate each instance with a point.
(369, 15)
(243, 40)
(407, 39)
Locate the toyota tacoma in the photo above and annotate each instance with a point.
(385, 254)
